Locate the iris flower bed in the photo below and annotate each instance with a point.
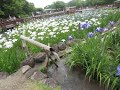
(51, 30)
(99, 56)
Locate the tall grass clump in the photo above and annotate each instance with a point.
(10, 59)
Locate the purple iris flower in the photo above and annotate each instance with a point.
(70, 37)
(85, 25)
(99, 29)
(105, 29)
(91, 34)
(118, 71)
(111, 23)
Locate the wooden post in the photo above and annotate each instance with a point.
(36, 43)
(47, 49)
(26, 48)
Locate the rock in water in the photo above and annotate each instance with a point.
(29, 62)
(38, 76)
(62, 46)
(40, 57)
(25, 68)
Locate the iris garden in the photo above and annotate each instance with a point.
(98, 54)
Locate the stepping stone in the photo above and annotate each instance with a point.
(38, 76)
(25, 68)
(29, 73)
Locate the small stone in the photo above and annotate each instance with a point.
(3, 75)
(62, 46)
(25, 68)
(39, 58)
(38, 76)
(50, 82)
(30, 72)
(29, 62)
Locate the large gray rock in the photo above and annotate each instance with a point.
(38, 76)
(62, 46)
(30, 72)
(29, 62)
(3, 75)
(40, 57)
(55, 47)
(50, 82)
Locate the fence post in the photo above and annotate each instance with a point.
(48, 49)
(26, 48)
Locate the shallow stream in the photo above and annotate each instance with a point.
(71, 80)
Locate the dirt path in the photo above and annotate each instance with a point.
(17, 81)
(14, 82)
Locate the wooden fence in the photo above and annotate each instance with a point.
(48, 50)
(7, 24)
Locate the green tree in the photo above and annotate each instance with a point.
(59, 5)
(71, 3)
(39, 9)
(79, 3)
(28, 8)
(15, 8)
(49, 6)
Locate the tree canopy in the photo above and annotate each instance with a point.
(58, 5)
(79, 3)
(22, 7)
(15, 8)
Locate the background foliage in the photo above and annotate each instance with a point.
(15, 8)
(22, 7)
